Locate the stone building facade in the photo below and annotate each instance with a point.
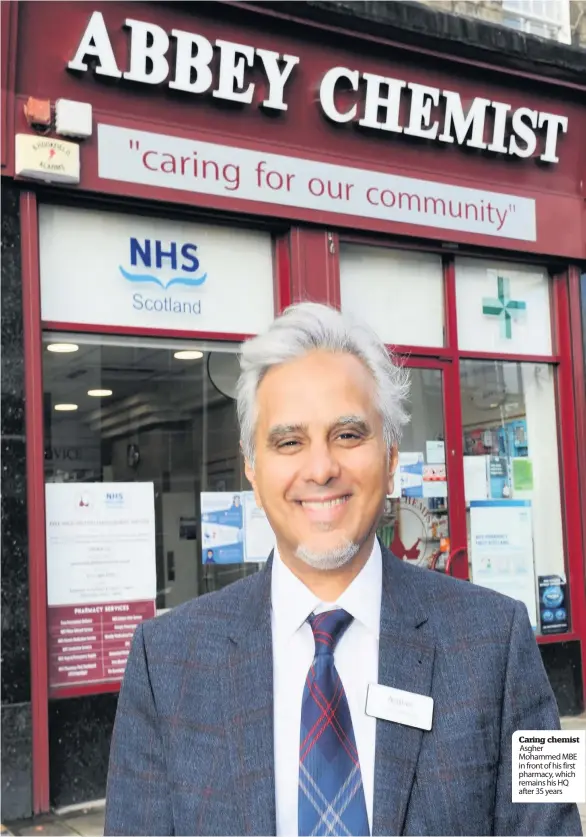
(495, 11)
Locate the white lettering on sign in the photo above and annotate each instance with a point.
(149, 45)
(374, 101)
(95, 43)
(466, 126)
(175, 163)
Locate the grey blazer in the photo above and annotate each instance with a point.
(192, 748)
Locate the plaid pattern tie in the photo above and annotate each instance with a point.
(331, 796)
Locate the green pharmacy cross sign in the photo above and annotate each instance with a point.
(505, 308)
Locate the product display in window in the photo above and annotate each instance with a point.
(511, 480)
(415, 526)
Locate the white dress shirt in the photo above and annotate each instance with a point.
(356, 659)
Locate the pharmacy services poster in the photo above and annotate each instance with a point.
(101, 577)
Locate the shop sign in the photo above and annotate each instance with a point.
(131, 156)
(503, 310)
(371, 101)
(108, 269)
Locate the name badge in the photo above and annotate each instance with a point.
(401, 707)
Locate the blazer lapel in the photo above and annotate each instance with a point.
(406, 656)
(249, 708)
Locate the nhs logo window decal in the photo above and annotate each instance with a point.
(156, 256)
(163, 265)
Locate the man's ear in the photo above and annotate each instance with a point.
(249, 473)
(393, 464)
(250, 476)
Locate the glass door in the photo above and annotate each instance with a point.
(418, 522)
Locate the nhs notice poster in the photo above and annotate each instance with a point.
(234, 529)
(502, 549)
(101, 577)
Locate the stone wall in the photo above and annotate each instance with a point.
(492, 11)
(578, 22)
(16, 716)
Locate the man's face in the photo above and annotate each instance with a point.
(321, 467)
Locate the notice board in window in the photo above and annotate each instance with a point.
(101, 578)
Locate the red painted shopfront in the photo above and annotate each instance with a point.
(441, 199)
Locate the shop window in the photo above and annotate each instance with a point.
(399, 293)
(146, 499)
(512, 486)
(545, 18)
(119, 410)
(503, 308)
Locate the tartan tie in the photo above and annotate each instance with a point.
(331, 796)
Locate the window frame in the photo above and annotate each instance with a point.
(524, 12)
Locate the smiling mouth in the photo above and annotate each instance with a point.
(324, 504)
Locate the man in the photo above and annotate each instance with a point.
(339, 691)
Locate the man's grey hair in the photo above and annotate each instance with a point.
(307, 327)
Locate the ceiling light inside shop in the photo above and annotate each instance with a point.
(65, 408)
(188, 354)
(99, 393)
(62, 348)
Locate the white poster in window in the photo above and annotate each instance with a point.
(259, 538)
(436, 452)
(101, 576)
(475, 478)
(100, 542)
(501, 535)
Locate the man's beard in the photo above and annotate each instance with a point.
(329, 559)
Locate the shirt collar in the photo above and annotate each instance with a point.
(292, 602)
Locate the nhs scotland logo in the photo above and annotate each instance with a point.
(164, 265)
(181, 259)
